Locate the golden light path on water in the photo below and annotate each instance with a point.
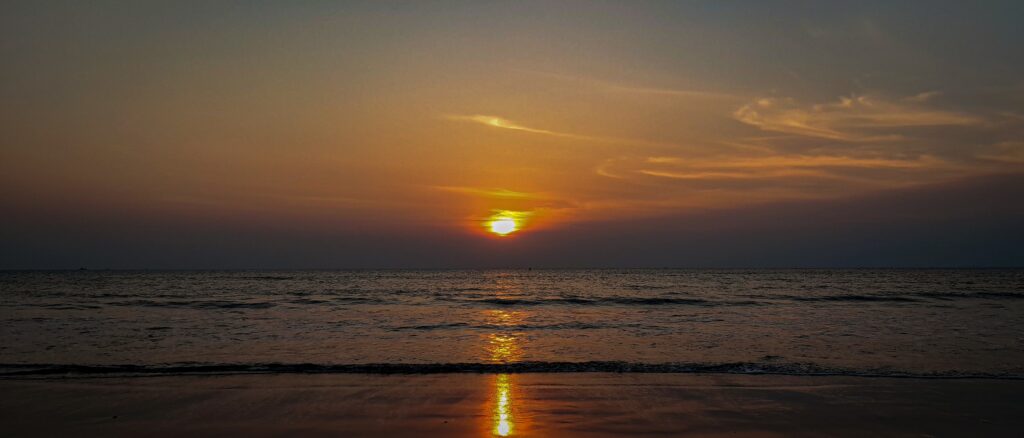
(503, 348)
(503, 421)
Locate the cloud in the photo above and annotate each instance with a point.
(923, 97)
(801, 161)
(847, 147)
(781, 166)
(746, 174)
(618, 87)
(488, 193)
(502, 123)
(857, 118)
(730, 180)
(498, 122)
(1007, 152)
(511, 199)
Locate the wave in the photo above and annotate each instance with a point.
(649, 286)
(217, 304)
(575, 325)
(225, 304)
(950, 296)
(263, 277)
(637, 301)
(855, 298)
(914, 297)
(748, 368)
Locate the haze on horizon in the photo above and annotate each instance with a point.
(390, 134)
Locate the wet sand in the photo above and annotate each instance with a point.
(580, 404)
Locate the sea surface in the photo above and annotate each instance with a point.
(924, 323)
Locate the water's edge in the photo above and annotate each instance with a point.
(748, 368)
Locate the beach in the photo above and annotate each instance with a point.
(556, 353)
(511, 219)
(529, 404)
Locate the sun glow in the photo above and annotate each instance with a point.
(503, 226)
(505, 222)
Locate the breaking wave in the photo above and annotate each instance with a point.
(747, 368)
(636, 301)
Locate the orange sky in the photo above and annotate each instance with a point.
(390, 117)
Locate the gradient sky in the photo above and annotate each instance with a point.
(386, 134)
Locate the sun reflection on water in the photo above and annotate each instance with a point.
(503, 420)
(503, 346)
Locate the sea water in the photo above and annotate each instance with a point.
(940, 323)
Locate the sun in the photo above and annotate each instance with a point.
(506, 222)
(503, 226)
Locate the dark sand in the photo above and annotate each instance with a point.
(589, 404)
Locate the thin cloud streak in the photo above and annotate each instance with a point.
(498, 122)
(804, 161)
(616, 87)
(489, 193)
(767, 178)
(502, 123)
(753, 168)
(780, 173)
(851, 118)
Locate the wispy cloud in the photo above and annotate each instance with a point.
(612, 87)
(502, 123)
(498, 122)
(1007, 152)
(858, 118)
(849, 146)
(489, 192)
(512, 200)
(626, 88)
(923, 97)
(787, 176)
(746, 174)
(800, 161)
(782, 166)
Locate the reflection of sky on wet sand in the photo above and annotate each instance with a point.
(503, 420)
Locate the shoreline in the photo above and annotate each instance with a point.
(770, 368)
(523, 404)
(96, 376)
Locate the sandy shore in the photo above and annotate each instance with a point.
(586, 404)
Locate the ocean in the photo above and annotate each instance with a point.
(888, 322)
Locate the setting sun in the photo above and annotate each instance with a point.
(512, 218)
(503, 226)
(505, 222)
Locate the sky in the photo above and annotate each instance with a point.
(302, 134)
